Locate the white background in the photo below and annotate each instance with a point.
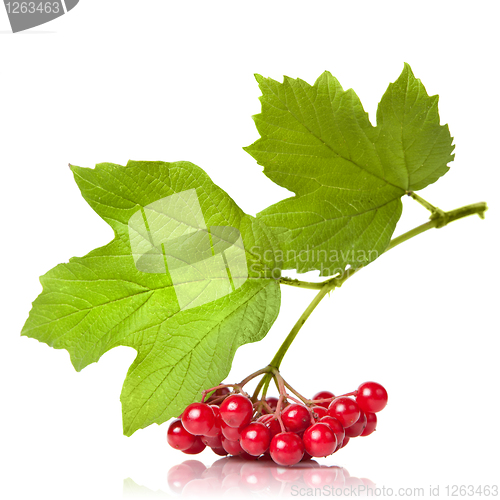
(158, 80)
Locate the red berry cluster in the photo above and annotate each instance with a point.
(286, 432)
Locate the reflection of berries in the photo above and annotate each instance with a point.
(293, 432)
(230, 478)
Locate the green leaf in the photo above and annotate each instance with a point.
(347, 175)
(141, 291)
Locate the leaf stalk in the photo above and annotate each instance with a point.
(438, 219)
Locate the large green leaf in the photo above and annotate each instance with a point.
(185, 330)
(348, 176)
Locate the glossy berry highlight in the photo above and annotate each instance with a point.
(178, 437)
(319, 440)
(296, 418)
(255, 438)
(345, 410)
(371, 397)
(236, 410)
(198, 419)
(286, 448)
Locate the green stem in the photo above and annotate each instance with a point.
(424, 203)
(327, 286)
(308, 285)
(256, 392)
(296, 328)
(267, 369)
(438, 219)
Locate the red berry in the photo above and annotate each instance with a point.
(272, 402)
(296, 418)
(371, 424)
(319, 440)
(216, 429)
(198, 419)
(178, 437)
(274, 427)
(371, 397)
(236, 410)
(358, 427)
(336, 426)
(220, 451)
(319, 411)
(213, 442)
(197, 447)
(230, 432)
(255, 438)
(232, 447)
(345, 410)
(345, 441)
(246, 456)
(324, 395)
(286, 448)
